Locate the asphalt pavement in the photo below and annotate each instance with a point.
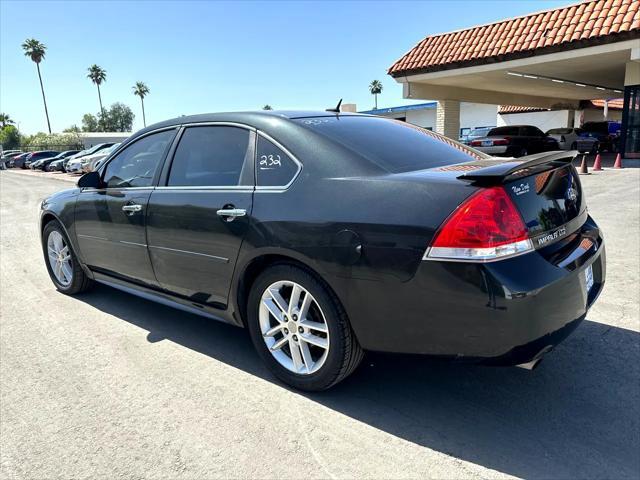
(106, 385)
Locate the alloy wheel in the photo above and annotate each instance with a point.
(60, 258)
(293, 327)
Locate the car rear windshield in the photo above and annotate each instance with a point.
(514, 131)
(392, 145)
(559, 131)
(479, 132)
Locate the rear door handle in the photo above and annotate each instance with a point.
(230, 213)
(131, 208)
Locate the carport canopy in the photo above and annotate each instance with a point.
(550, 59)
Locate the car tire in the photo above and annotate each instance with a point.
(319, 368)
(522, 153)
(79, 282)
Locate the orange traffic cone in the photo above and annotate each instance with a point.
(584, 170)
(618, 163)
(597, 164)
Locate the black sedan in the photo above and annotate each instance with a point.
(330, 234)
(46, 163)
(515, 141)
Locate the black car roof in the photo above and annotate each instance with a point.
(255, 118)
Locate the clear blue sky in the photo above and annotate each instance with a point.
(207, 56)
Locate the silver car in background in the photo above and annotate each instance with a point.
(567, 137)
(92, 162)
(74, 163)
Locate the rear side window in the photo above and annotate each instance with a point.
(392, 145)
(274, 167)
(557, 131)
(210, 156)
(136, 165)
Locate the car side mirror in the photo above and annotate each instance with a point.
(90, 180)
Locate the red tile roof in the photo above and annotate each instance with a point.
(518, 109)
(581, 25)
(614, 104)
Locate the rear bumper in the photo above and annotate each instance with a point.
(497, 150)
(506, 312)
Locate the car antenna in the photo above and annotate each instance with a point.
(336, 109)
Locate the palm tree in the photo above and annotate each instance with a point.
(35, 50)
(97, 76)
(141, 90)
(5, 120)
(375, 88)
(267, 107)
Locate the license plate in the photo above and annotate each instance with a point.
(487, 143)
(588, 275)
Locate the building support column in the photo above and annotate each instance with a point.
(630, 129)
(571, 118)
(448, 118)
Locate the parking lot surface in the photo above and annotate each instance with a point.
(107, 385)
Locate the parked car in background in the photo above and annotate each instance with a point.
(91, 162)
(607, 134)
(515, 141)
(46, 163)
(587, 145)
(475, 133)
(57, 165)
(39, 155)
(567, 137)
(18, 160)
(467, 257)
(73, 163)
(8, 155)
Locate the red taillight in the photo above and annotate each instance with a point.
(501, 141)
(476, 143)
(487, 226)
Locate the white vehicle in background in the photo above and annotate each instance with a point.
(74, 163)
(567, 137)
(92, 162)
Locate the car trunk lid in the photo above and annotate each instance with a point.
(545, 189)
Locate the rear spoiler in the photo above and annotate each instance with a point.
(499, 172)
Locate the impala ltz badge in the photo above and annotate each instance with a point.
(561, 232)
(572, 194)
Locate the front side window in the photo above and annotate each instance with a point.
(274, 167)
(136, 165)
(210, 156)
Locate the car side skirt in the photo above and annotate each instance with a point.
(161, 298)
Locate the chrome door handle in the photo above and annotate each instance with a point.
(231, 213)
(131, 209)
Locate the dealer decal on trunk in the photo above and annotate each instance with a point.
(520, 189)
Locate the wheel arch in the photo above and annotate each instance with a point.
(46, 217)
(258, 264)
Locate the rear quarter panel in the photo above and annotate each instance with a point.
(321, 222)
